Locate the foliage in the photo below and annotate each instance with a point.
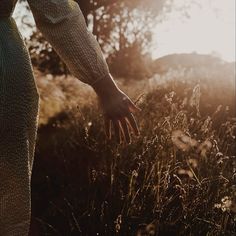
(123, 30)
(43, 56)
(177, 178)
(134, 64)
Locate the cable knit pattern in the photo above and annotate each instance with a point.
(63, 25)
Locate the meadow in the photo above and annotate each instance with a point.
(177, 178)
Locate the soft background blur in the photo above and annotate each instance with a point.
(176, 60)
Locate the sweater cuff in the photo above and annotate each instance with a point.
(104, 85)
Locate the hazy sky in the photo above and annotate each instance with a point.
(206, 27)
(209, 28)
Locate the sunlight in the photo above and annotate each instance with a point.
(201, 26)
(206, 27)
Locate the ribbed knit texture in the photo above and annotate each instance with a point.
(63, 25)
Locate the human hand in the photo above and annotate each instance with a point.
(118, 110)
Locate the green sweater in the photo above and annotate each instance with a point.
(63, 25)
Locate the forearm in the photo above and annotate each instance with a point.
(66, 30)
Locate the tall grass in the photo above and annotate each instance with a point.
(177, 178)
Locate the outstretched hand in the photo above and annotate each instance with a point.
(118, 110)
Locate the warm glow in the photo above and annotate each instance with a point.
(207, 28)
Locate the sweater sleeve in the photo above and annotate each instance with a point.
(63, 25)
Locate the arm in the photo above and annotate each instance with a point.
(63, 25)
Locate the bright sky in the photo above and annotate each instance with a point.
(209, 28)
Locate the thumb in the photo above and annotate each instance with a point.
(132, 107)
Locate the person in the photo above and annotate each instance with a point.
(63, 25)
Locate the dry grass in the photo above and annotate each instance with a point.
(177, 178)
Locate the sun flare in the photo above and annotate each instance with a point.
(201, 26)
(206, 27)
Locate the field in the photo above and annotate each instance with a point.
(177, 178)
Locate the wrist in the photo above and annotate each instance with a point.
(105, 86)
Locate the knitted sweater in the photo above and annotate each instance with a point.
(63, 25)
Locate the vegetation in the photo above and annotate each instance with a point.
(122, 28)
(177, 178)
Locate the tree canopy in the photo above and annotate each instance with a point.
(123, 29)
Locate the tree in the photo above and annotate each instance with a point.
(123, 29)
(43, 56)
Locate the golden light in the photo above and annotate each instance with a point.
(201, 26)
(208, 27)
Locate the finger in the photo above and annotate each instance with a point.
(132, 107)
(125, 130)
(117, 130)
(133, 124)
(108, 128)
